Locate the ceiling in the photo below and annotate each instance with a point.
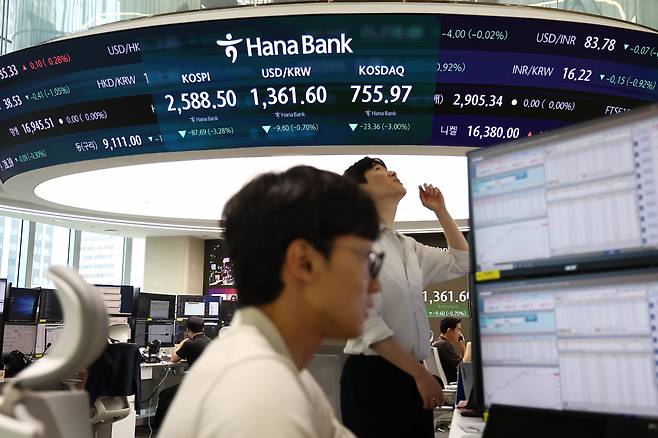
(184, 193)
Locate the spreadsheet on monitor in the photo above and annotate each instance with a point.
(195, 308)
(588, 192)
(19, 337)
(585, 342)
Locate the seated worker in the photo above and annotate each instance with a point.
(194, 343)
(190, 349)
(450, 346)
(300, 243)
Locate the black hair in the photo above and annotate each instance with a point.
(449, 322)
(357, 171)
(194, 324)
(276, 208)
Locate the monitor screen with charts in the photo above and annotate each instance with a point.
(213, 304)
(195, 309)
(19, 337)
(163, 332)
(585, 342)
(159, 309)
(156, 306)
(580, 197)
(190, 305)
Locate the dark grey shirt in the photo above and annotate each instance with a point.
(192, 349)
(450, 358)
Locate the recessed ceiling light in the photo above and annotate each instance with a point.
(199, 189)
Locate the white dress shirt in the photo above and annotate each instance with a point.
(246, 385)
(399, 309)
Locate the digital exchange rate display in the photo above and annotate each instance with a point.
(348, 79)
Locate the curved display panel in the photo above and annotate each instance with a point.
(333, 79)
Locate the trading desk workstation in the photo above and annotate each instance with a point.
(554, 111)
(32, 322)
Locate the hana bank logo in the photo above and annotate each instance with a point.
(305, 45)
(230, 50)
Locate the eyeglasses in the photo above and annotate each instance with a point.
(375, 260)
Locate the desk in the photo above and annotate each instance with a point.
(152, 375)
(458, 421)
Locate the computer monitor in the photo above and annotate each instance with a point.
(49, 307)
(111, 298)
(21, 337)
(180, 331)
(3, 291)
(156, 306)
(582, 342)
(162, 331)
(227, 310)
(22, 304)
(127, 299)
(118, 299)
(211, 329)
(139, 333)
(213, 304)
(47, 336)
(190, 305)
(573, 199)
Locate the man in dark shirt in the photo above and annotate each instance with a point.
(193, 345)
(190, 350)
(450, 346)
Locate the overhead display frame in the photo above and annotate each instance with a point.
(445, 79)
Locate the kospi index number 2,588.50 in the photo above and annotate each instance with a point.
(195, 101)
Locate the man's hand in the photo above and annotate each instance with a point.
(429, 389)
(461, 347)
(432, 198)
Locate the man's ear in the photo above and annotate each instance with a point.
(300, 260)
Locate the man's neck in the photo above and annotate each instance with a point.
(193, 335)
(450, 341)
(387, 208)
(301, 342)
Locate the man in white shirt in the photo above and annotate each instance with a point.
(385, 389)
(304, 272)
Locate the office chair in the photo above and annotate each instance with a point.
(119, 332)
(441, 372)
(112, 378)
(442, 414)
(29, 408)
